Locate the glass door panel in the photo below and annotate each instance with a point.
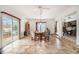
(15, 30)
(41, 27)
(9, 30)
(6, 30)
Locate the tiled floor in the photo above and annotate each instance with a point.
(73, 38)
(54, 46)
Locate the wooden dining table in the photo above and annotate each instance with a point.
(39, 36)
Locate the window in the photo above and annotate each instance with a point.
(41, 26)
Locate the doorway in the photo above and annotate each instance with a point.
(69, 29)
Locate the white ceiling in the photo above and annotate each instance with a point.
(32, 11)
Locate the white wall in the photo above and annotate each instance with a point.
(22, 28)
(51, 25)
(60, 26)
(77, 39)
(32, 25)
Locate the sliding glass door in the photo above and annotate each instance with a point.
(10, 29)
